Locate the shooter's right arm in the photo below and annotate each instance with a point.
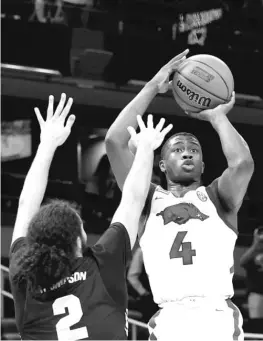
(117, 138)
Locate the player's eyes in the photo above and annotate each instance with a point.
(178, 150)
(194, 150)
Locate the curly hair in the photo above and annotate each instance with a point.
(49, 251)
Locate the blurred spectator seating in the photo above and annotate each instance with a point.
(252, 261)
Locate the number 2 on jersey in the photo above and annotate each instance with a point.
(75, 313)
(186, 253)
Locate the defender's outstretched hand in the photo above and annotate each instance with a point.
(53, 130)
(210, 114)
(149, 134)
(161, 79)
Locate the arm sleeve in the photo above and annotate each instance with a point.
(113, 253)
(113, 245)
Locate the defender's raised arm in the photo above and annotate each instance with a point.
(137, 183)
(54, 133)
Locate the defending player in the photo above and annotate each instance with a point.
(188, 232)
(62, 289)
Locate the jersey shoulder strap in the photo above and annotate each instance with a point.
(159, 189)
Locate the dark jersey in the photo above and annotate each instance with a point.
(90, 304)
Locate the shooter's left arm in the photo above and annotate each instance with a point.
(233, 183)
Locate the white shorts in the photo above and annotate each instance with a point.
(192, 319)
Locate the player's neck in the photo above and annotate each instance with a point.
(180, 189)
(78, 252)
(79, 248)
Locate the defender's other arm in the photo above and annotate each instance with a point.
(135, 271)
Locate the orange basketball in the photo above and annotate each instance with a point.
(202, 82)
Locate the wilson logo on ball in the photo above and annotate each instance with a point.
(193, 96)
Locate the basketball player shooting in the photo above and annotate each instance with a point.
(188, 232)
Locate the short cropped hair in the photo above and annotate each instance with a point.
(173, 136)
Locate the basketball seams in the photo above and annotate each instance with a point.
(189, 105)
(198, 61)
(203, 88)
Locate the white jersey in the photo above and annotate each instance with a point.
(188, 245)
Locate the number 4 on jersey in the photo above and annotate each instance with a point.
(186, 253)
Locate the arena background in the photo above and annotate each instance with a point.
(102, 58)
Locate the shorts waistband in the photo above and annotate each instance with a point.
(197, 301)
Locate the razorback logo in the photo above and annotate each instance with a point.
(181, 213)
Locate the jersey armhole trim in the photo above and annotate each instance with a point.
(147, 210)
(216, 201)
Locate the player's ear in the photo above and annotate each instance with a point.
(162, 166)
(203, 167)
